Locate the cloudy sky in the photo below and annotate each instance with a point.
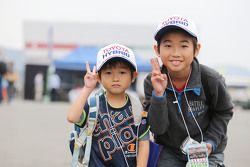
(224, 25)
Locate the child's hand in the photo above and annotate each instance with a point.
(90, 79)
(209, 148)
(159, 80)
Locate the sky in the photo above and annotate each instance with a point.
(224, 25)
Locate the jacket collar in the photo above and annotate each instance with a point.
(194, 83)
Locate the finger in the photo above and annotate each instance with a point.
(154, 73)
(152, 63)
(157, 64)
(87, 67)
(94, 70)
(164, 76)
(159, 77)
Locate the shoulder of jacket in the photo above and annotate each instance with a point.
(148, 76)
(210, 73)
(147, 80)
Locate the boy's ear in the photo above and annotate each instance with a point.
(156, 50)
(135, 74)
(98, 78)
(197, 50)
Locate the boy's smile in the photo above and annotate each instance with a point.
(176, 62)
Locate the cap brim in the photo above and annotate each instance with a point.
(161, 32)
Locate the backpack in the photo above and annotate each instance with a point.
(81, 138)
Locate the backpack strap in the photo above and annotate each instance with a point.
(85, 137)
(137, 113)
(136, 107)
(92, 119)
(79, 142)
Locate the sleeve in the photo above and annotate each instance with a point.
(148, 92)
(221, 109)
(144, 127)
(156, 107)
(83, 118)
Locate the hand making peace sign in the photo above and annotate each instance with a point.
(90, 79)
(159, 80)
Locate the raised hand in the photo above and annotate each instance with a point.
(159, 80)
(90, 79)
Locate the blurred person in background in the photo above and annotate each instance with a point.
(2, 72)
(39, 84)
(54, 84)
(5, 84)
(11, 78)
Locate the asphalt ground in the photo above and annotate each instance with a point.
(37, 133)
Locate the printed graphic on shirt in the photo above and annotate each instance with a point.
(115, 132)
(197, 107)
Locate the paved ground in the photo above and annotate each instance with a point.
(36, 134)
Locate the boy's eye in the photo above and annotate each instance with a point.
(123, 72)
(107, 72)
(167, 45)
(185, 44)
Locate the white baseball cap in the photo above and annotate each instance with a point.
(115, 51)
(176, 21)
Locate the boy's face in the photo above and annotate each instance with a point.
(117, 78)
(177, 52)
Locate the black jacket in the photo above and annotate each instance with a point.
(211, 105)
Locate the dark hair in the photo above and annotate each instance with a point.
(114, 62)
(177, 30)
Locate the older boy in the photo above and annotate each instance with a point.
(188, 103)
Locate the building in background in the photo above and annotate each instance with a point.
(46, 42)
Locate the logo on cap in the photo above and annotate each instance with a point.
(115, 51)
(178, 22)
(174, 20)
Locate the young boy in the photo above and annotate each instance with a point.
(115, 137)
(186, 101)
